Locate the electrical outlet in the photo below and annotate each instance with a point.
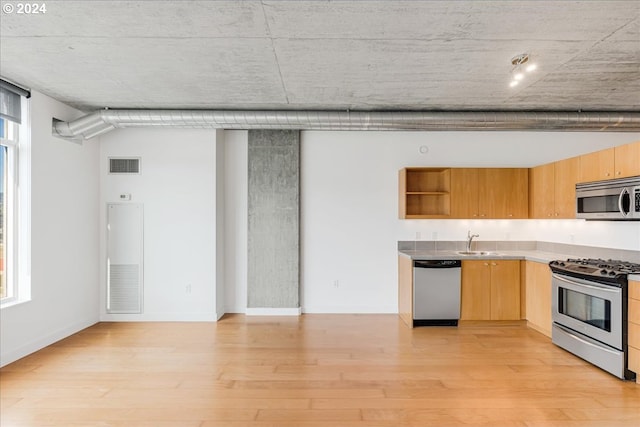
(434, 235)
(188, 288)
(418, 235)
(336, 283)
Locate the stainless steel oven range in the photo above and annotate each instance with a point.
(589, 311)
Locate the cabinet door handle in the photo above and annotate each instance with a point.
(486, 264)
(493, 263)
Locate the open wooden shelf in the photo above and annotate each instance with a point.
(424, 193)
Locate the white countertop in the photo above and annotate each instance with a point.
(527, 255)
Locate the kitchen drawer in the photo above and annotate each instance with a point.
(634, 311)
(634, 290)
(634, 335)
(634, 360)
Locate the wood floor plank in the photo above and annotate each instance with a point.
(468, 416)
(315, 415)
(311, 371)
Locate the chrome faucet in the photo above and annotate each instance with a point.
(470, 239)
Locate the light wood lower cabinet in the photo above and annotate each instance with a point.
(538, 296)
(405, 289)
(490, 290)
(634, 328)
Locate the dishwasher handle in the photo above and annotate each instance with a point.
(438, 263)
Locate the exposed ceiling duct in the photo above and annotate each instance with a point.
(104, 121)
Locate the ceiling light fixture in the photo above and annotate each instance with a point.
(518, 63)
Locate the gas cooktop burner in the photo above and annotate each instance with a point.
(590, 267)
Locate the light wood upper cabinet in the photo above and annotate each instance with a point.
(424, 193)
(503, 193)
(538, 296)
(490, 290)
(552, 189)
(618, 162)
(483, 193)
(567, 175)
(464, 193)
(627, 160)
(597, 166)
(489, 193)
(541, 199)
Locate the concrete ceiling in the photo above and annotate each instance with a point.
(328, 55)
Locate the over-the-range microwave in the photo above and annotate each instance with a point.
(614, 199)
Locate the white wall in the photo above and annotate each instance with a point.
(349, 206)
(177, 187)
(64, 238)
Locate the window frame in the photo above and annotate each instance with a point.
(11, 143)
(17, 250)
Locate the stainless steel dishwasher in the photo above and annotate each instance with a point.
(436, 292)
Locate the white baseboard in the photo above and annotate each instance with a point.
(326, 309)
(42, 342)
(268, 311)
(160, 317)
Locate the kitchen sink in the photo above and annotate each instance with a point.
(476, 253)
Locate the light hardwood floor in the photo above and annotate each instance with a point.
(315, 370)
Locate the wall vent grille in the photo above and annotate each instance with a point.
(125, 246)
(122, 165)
(124, 289)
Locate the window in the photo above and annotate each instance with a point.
(3, 215)
(13, 130)
(8, 148)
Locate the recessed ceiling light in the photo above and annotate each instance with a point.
(518, 60)
(517, 63)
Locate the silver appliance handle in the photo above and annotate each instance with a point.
(584, 341)
(620, 197)
(586, 284)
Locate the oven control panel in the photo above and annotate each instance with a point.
(599, 269)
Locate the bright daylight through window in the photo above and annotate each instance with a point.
(12, 112)
(8, 141)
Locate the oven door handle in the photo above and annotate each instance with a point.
(590, 285)
(625, 191)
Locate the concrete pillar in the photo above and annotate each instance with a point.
(273, 270)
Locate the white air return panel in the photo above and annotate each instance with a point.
(124, 165)
(124, 258)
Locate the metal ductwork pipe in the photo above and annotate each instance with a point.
(104, 121)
